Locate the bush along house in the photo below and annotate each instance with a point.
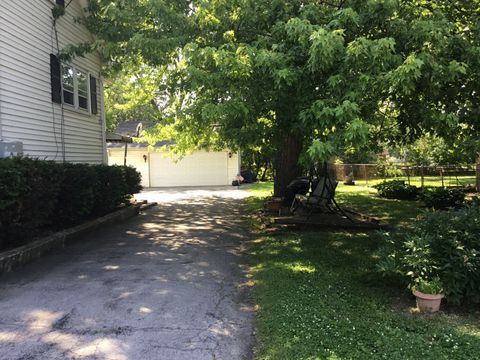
(49, 108)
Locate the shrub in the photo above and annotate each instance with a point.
(30, 189)
(133, 179)
(36, 195)
(113, 179)
(13, 187)
(397, 189)
(432, 287)
(443, 244)
(13, 184)
(77, 194)
(442, 198)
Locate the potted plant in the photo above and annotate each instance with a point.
(429, 294)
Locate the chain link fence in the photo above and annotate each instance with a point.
(423, 176)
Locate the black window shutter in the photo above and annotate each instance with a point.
(55, 79)
(61, 3)
(93, 94)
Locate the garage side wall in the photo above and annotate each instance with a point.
(135, 159)
(233, 167)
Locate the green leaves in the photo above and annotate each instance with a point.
(133, 94)
(327, 46)
(372, 56)
(356, 133)
(300, 30)
(405, 77)
(58, 11)
(325, 72)
(232, 63)
(456, 69)
(321, 151)
(347, 111)
(442, 244)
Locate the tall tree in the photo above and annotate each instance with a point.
(307, 77)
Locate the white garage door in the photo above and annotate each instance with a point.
(135, 159)
(201, 168)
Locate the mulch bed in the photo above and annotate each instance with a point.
(284, 220)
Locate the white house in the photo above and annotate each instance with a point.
(48, 109)
(159, 169)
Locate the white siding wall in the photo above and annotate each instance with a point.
(27, 113)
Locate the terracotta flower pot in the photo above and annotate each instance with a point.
(428, 302)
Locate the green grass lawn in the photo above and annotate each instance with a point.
(318, 296)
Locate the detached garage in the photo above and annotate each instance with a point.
(159, 169)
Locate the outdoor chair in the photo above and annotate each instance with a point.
(320, 200)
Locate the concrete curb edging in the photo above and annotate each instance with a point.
(12, 259)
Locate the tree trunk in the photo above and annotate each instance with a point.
(286, 164)
(478, 173)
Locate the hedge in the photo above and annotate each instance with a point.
(37, 195)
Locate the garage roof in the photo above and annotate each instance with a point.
(117, 138)
(129, 129)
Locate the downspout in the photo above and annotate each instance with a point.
(56, 16)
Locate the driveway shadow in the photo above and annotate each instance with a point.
(169, 284)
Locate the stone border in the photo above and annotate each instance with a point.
(12, 259)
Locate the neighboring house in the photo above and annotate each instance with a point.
(159, 169)
(48, 109)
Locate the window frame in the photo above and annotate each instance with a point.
(76, 92)
(63, 84)
(87, 95)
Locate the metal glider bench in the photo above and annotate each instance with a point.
(320, 200)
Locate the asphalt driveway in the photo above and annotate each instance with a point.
(168, 284)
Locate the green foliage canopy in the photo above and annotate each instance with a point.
(334, 74)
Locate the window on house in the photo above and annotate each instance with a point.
(82, 84)
(74, 86)
(68, 84)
